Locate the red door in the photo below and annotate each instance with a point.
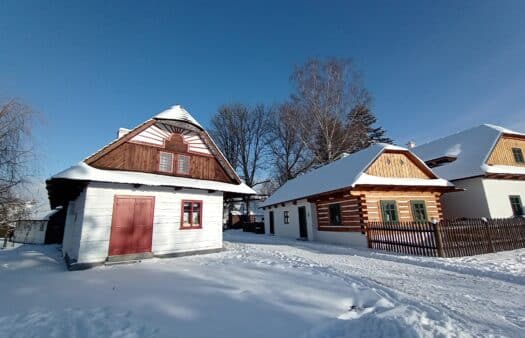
(132, 225)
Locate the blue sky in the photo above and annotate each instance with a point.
(433, 67)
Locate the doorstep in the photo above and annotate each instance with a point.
(130, 258)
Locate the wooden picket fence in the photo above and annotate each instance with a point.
(448, 238)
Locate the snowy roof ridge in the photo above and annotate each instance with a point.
(471, 147)
(178, 113)
(344, 173)
(84, 172)
(503, 129)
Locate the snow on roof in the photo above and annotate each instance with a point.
(471, 149)
(178, 113)
(83, 172)
(343, 173)
(41, 215)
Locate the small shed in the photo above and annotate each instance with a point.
(33, 228)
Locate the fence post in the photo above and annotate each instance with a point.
(367, 230)
(489, 237)
(437, 236)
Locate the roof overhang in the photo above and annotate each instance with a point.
(74, 179)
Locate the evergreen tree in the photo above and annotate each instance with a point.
(362, 131)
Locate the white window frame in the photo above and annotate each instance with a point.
(188, 159)
(160, 162)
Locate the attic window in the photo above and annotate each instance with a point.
(436, 162)
(183, 164)
(166, 162)
(518, 155)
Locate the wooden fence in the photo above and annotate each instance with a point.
(448, 238)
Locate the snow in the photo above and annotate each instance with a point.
(471, 148)
(264, 286)
(83, 172)
(178, 113)
(343, 173)
(503, 169)
(376, 180)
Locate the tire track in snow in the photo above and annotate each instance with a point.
(395, 281)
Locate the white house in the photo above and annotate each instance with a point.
(334, 203)
(157, 190)
(487, 161)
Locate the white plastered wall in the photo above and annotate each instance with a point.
(471, 203)
(167, 235)
(498, 194)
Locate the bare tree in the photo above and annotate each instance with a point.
(15, 152)
(325, 93)
(289, 154)
(223, 132)
(242, 133)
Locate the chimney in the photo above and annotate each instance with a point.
(411, 144)
(122, 131)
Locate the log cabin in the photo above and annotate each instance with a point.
(486, 161)
(334, 203)
(156, 190)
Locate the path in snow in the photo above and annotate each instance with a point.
(461, 293)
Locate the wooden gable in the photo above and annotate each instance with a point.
(398, 164)
(140, 151)
(502, 152)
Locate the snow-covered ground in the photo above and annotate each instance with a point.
(264, 287)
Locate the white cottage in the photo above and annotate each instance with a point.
(488, 162)
(157, 190)
(334, 203)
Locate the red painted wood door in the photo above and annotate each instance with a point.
(132, 225)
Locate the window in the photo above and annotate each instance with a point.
(517, 206)
(191, 215)
(166, 162)
(419, 211)
(389, 211)
(335, 214)
(183, 165)
(286, 217)
(518, 155)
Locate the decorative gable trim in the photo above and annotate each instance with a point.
(116, 143)
(411, 157)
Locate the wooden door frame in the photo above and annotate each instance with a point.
(305, 222)
(272, 222)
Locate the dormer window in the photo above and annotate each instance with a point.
(437, 162)
(183, 164)
(518, 155)
(166, 162)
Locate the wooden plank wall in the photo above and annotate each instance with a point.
(139, 157)
(502, 153)
(350, 212)
(371, 203)
(392, 164)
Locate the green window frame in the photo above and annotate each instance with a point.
(419, 211)
(518, 155)
(516, 205)
(389, 211)
(334, 211)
